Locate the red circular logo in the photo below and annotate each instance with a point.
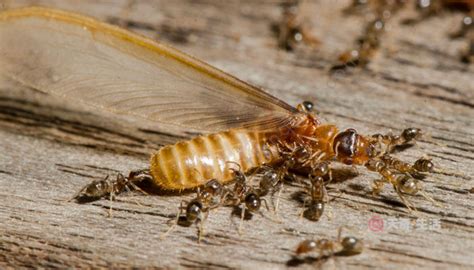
(376, 224)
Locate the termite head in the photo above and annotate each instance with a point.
(308, 105)
(352, 148)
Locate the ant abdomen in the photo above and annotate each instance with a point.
(314, 211)
(424, 165)
(252, 202)
(193, 211)
(351, 246)
(408, 184)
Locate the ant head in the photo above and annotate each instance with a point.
(306, 106)
(351, 246)
(411, 134)
(352, 148)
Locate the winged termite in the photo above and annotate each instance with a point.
(85, 60)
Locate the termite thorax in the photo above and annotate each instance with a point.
(347, 146)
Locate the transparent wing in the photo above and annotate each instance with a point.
(81, 58)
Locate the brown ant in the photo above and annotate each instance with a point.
(467, 26)
(317, 192)
(346, 246)
(292, 30)
(370, 41)
(396, 172)
(248, 196)
(428, 8)
(107, 187)
(270, 181)
(197, 210)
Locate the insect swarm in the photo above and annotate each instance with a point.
(371, 39)
(80, 58)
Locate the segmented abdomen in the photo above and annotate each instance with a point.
(192, 163)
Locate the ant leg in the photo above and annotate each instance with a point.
(408, 204)
(182, 206)
(378, 185)
(242, 215)
(277, 203)
(111, 197)
(387, 177)
(201, 226)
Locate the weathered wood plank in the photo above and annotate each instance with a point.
(51, 148)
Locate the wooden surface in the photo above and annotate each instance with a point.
(51, 148)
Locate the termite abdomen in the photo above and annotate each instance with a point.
(189, 164)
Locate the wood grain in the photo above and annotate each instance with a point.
(50, 148)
